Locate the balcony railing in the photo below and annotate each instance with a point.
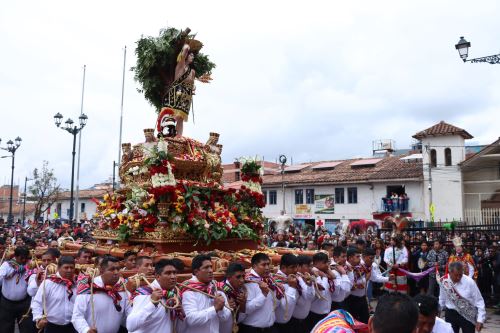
(395, 205)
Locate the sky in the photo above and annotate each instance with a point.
(316, 80)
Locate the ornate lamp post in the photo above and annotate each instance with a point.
(11, 148)
(463, 50)
(283, 160)
(74, 130)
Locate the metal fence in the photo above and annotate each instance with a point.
(482, 216)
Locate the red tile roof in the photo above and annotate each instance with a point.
(442, 129)
(388, 168)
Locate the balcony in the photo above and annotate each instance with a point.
(400, 205)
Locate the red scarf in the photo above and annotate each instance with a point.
(208, 288)
(272, 284)
(281, 277)
(68, 283)
(113, 292)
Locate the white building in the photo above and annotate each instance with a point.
(86, 206)
(440, 182)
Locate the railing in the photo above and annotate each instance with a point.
(395, 205)
(482, 216)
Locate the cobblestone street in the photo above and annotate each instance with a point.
(492, 324)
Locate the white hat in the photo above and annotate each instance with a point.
(457, 241)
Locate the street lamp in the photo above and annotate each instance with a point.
(282, 160)
(11, 148)
(74, 130)
(463, 50)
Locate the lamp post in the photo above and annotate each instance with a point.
(74, 130)
(463, 50)
(282, 160)
(24, 200)
(11, 148)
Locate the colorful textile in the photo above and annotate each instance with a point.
(401, 283)
(68, 283)
(269, 280)
(208, 288)
(19, 270)
(339, 321)
(282, 278)
(169, 297)
(418, 276)
(84, 287)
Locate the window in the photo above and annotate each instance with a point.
(433, 158)
(236, 176)
(299, 197)
(264, 193)
(273, 197)
(82, 207)
(352, 195)
(339, 195)
(447, 157)
(310, 196)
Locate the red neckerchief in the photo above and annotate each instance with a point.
(19, 270)
(68, 283)
(208, 288)
(168, 296)
(113, 292)
(273, 285)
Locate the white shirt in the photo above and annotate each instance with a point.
(323, 305)
(376, 276)
(146, 317)
(287, 303)
(441, 326)
(259, 308)
(303, 305)
(32, 285)
(107, 319)
(10, 289)
(401, 256)
(468, 289)
(343, 287)
(59, 307)
(201, 316)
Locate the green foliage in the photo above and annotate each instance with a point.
(156, 61)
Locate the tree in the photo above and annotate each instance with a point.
(44, 189)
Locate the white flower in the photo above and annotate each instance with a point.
(163, 145)
(142, 212)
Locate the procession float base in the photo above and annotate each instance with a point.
(165, 241)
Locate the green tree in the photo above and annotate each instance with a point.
(44, 190)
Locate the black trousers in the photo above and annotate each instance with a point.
(458, 322)
(251, 329)
(12, 312)
(312, 319)
(357, 306)
(337, 306)
(297, 325)
(53, 328)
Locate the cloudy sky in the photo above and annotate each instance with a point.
(314, 80)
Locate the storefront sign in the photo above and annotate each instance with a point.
(324, 204)
(302, 209)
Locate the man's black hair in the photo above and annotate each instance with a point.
(139, 259)
(352, 251)
(198, 261)
(129, 253)
(360, 241)
(21, 251)
(65, 260)
(395, 306)
(320, 257)
(83, 250)
(160, 265)
(258, 257)
(326, 246)
(234, 268)
(338, 250)
(179, 264)
(304, 260)
(106, 260)
(369, 251)
(50, 253)
(288, 260)
(427, 304)
(438, 240)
